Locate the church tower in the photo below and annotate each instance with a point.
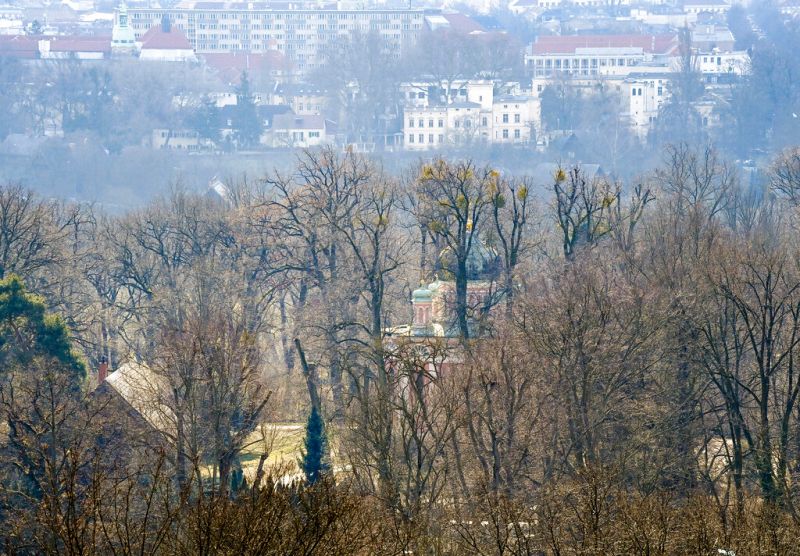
(123, 40)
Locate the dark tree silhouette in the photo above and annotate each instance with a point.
(314, 462)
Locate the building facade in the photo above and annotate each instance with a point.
(302, 35)
(472, 114)
(598, 55)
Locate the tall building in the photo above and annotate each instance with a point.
(302, 35)
(122, 36)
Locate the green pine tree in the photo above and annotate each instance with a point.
(315, 460)
(28, 332)
(246, 123)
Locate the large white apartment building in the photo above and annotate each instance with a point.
(302, 35)
(479, 116)
(587, 55)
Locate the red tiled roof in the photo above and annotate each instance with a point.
(19, 46)
(655, 44)
(157, 38)
(80, 44)
(230, 66)
(462, 23)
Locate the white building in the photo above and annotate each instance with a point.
(300, 132)
(176, 139)
(304, 35)
(716, 63)
(11, 21)
(706, 6)
(515, 118)
(597, 55)
(162, 43)
(476, 116)
(642, 98)
(673, 18)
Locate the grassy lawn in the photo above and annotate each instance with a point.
(282, 441)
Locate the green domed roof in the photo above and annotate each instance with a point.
(421, 294)
(483, 262)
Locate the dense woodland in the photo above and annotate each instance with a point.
(633, 388)
(628, 388)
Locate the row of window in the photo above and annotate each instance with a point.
(422, 138)
(421, 122)
(467, 122)
(583, 62)
(419, 139)
(331, 16)
(638, 91)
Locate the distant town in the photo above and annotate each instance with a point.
(267, 61)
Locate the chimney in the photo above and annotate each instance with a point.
(102, 371)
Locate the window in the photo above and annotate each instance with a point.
(633, 92)
(411, 122)
(516, 134)
(430, 122)
(421, 138)
(421, 122)
(516, 118)
(660, 91)
(441, 122)
(411, 138)
(484, 122)
(430, 138)
(640, 91)
(313, 134)
(441, 138)
(467, 123)
(505, 134)
(505, 118)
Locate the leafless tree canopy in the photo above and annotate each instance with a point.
(624, 382)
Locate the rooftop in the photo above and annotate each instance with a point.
(160, 39)
(654, 44)
(231, 65)
(79, 44)
(292, 121)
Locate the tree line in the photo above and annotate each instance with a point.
(628, 385)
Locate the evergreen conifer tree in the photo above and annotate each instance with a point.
(246, 123)
(314, 462)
